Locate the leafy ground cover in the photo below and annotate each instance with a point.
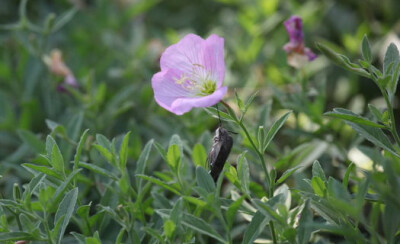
(110, 116)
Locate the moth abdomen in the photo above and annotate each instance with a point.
(219, 151)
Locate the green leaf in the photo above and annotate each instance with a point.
(64, 19)
(81, 144)
(366, 49)
(391, 58)
(123, 152)
(103, 141)
(63, 187)
(304, 230)
(256, 226)
(159, 183)
(391, 221)
(374, 135)
(30, 139)
(346, 177)
(318, 186)
(204, 179)
(195, 224)
(243, 172)
(342, 61)
(274, 129)
(174, 157)
(232, 210)
(65, 210)
(392, 85)
(317, 171)
(288, 173)
(161, 150)
(169, 228)
(375, 111)
(104, 152)
(214, 113)
(98, 170)
(199, 156)
(16, 236)
(57, 160)
(250, 101)
(239, 102)
(43, 169)
(337, 190)
(141, 163)
(348, 115)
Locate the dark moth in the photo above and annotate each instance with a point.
(219, 151)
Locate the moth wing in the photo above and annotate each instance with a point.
(213, 154)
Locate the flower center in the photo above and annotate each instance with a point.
(199, 82)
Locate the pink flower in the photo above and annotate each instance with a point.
(298, 54)
(57, 66)
(192, 72)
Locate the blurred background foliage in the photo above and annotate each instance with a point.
(113, 49)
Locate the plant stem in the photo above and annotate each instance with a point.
(272, 228)
(392, 119)
(261, 156)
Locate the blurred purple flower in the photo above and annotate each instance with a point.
(57, 66)
(298, 54)
(192, 72)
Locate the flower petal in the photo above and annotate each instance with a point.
(166, 90)
(294, 27)
(183, 105)
(214, 57)
(184, 54)
(310, 54)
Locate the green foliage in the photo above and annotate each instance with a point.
(102, 163)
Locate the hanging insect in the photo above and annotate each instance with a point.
(219, 150)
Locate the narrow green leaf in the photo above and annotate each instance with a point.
(159, 183)
(57, 160)
(196, 224)
(30, 139)
(104, 152)
(318, 186)
(81, 144)
(174, 157)
(16, 236)
(199, 156)
(239, 102)
(43, 169)
(274, 129)
(232, 210)
(288, 173)
(123, 152)
(204, 180)
(317, 170)
(374, 135)
(257, 224)
(347, 175)
(243, 172)
(305, 229)
(98, 170)
(65, 210)
(375, 111)
(103, 141)
(141, 163)
(366, 49)
(63, 187)
(391, 58)
(342, 61)
(352, 117)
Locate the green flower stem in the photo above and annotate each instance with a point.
(261, 156)
(391, 115)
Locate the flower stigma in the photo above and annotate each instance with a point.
(199, 82)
